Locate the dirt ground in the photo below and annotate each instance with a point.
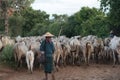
(92, 72)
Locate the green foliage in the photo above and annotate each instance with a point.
(55, 28)
(39, 29)
(69, 29)
(7, 55)
(96, 26)
(16, 23)
(57, 24)
(113, 9)
(16, 5)
(1, 25)
(87, 21)
(34, 20)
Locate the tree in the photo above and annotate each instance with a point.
(16, 21)
(69, 29)
(8, 7)
(35, 21)
(113, 9)
(57, 24)
(1, 25)
(87, 21)
(96, 26)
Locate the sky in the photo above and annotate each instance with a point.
(68, 7)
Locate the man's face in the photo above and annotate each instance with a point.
(48, 38)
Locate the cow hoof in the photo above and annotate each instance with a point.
(113, 66)
(87, 64)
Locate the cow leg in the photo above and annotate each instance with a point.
(64, 59)
(85, 57)
(114, 59)
(15, 56)
(28, 64)
(73, 58)
(96, 54)
(20, 63)
(88, 58)
(96, 57)
(57, 62)
(31, 66)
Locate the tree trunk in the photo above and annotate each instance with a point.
(6, 23)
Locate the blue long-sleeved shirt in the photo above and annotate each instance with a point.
(47, 47)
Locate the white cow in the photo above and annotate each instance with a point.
(87, 50)
(75, 49)
(115, 46)
(20, 50)
(30, 60)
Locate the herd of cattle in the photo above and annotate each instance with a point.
(68, 51)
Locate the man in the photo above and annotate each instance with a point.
(47, 48)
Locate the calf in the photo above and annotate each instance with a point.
(30, 60)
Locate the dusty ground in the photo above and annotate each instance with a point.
(92, 72)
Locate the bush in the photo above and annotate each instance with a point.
(6, 56)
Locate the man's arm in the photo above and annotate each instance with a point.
(42, 46)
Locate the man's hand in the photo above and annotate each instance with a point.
(42, 52)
